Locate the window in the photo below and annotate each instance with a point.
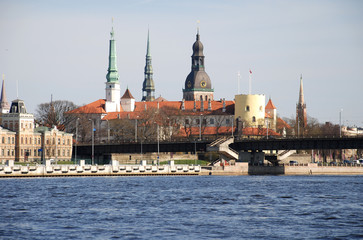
(21, 140)
(68, 142)
(2, 152)
(12, 140)
(9, 140)
(197, 121)
(247, 108)
(8, 152)
(227, 121)
(21, 152)
(253, 119)
(35, 152)
(59, 141)
(211, 121)
(64, 152)
(186, 121)
(204, 121)
(47, 141)
(26, 140)
(3, 140)
(64, 141)
(12, 152)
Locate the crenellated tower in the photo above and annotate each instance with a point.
(148, 87)
(301, 117)
(198, 85)
(112, 85)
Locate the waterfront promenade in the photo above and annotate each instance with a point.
(115, 169)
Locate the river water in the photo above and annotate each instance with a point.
(182, 207)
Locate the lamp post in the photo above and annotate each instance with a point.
(75, 149)
(340, 122)
(232, 125)
(157, 129)
(200, 127)
(267, 129)
(93, 143)
(136, 128)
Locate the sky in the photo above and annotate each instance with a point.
(60, 48)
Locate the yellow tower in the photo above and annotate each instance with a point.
(250, 109)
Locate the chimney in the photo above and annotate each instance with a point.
(195, 105)
(201, 105)
(209, 105)
(145, 106)
(118, 116)
(224, 105)
(183, 105)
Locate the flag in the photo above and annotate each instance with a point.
(250, 71)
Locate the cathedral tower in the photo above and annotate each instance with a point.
(198, 85)
(301, 117)
(112, 85)
(148, 88)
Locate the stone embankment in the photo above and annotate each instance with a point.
(115, 169)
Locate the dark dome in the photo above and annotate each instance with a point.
(198, 47)
(195, 79)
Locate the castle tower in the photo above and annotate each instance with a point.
(4, 104)
(148, 88)
(301, 117)
(271, 110)
(128, 101)
(112, 85)
(198, 84)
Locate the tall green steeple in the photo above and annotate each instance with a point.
(148, 87)
(112, 103)
(112, 74)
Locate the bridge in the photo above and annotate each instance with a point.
(254, 145)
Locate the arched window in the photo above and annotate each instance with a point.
(247, 108)
(253, 119)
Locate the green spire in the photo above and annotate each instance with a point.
(112, 74)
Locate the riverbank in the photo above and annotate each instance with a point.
(115, 169)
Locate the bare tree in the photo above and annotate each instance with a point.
(53, 113)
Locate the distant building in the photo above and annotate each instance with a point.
(301, 117)
(148, 87)
(22, 142)
(4, 104)
(198, 85)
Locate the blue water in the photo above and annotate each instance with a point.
(193, 207)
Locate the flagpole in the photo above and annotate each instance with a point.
(238, 80)
(249, 83)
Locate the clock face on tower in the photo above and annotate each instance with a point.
(189, 84)
(203, 84)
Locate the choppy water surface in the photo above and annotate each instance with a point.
(210, 207)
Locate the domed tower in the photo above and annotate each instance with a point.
(198, 85)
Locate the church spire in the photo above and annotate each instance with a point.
(148, 87)
(198, 85)
(4, 104)
(112, 74)
(112, 84)
(301, 94)
(301, 116)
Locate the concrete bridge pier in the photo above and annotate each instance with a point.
(254, 157)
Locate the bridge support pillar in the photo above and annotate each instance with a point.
(252, 157)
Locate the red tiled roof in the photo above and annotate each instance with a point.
(192, 131)
(94, 107)
(127, 94)
(267, 115)
(281, 124)
(270, 105)
(140, 107)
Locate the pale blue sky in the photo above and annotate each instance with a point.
(61, 48)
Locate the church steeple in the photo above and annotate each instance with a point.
(301, 116)
(148, 87)
(112, 74)
(198, 85)
(112, 84)
(4, 104)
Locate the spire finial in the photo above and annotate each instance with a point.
(3, 76)
(148, 44)
(198, 22)
(112, 32)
